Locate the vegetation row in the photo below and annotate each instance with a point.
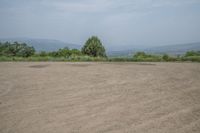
(93, 50)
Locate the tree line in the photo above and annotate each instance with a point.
(93, 50)
(16, 49)
(93, 47)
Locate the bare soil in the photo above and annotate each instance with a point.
(52, 97)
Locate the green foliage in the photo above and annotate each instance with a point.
(43, 54)
(16, 49)
(93, 47)
(192, 53)
(120, 59)
(142, 56)
(64, 53)
(191, 58)
(76, 52)
(50, 58)
(53, 54)
(92, 51)
(5, 58)
(165, 57)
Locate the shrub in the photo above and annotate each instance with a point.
(165, 57)
(192, 53)
(16, 49)
(142, 56)
(191, 58)
(43, 54)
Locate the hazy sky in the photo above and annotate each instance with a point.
(119, 23)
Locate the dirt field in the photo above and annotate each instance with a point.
(99, 97)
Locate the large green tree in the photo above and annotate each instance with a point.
(93, 47)
(16, 49)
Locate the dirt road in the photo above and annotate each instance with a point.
(99, 97)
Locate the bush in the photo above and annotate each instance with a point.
(192, 53)
(43, 54)
(16, 49)
(165, 57)
(191, 58)
(142, 56)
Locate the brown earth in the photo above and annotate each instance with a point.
(99, 97)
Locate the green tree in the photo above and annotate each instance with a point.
(16, 49)
(165, 57)
(76, 52)
(93, 47)
(2, 48)
(26, 51)
(65, 52)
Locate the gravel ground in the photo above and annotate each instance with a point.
(60, 97)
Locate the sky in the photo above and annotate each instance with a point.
(120, 24)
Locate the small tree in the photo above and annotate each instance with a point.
(165, 57)
(93, 47)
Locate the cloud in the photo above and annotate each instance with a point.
(92, 6)
(117, 22)
(99, 6)
(173, 3)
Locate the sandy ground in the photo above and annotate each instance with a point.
(99, 97)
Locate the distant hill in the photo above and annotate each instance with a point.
(42, 44)
(177, 49)
(121, 53)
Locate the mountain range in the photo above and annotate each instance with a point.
(176, 49)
